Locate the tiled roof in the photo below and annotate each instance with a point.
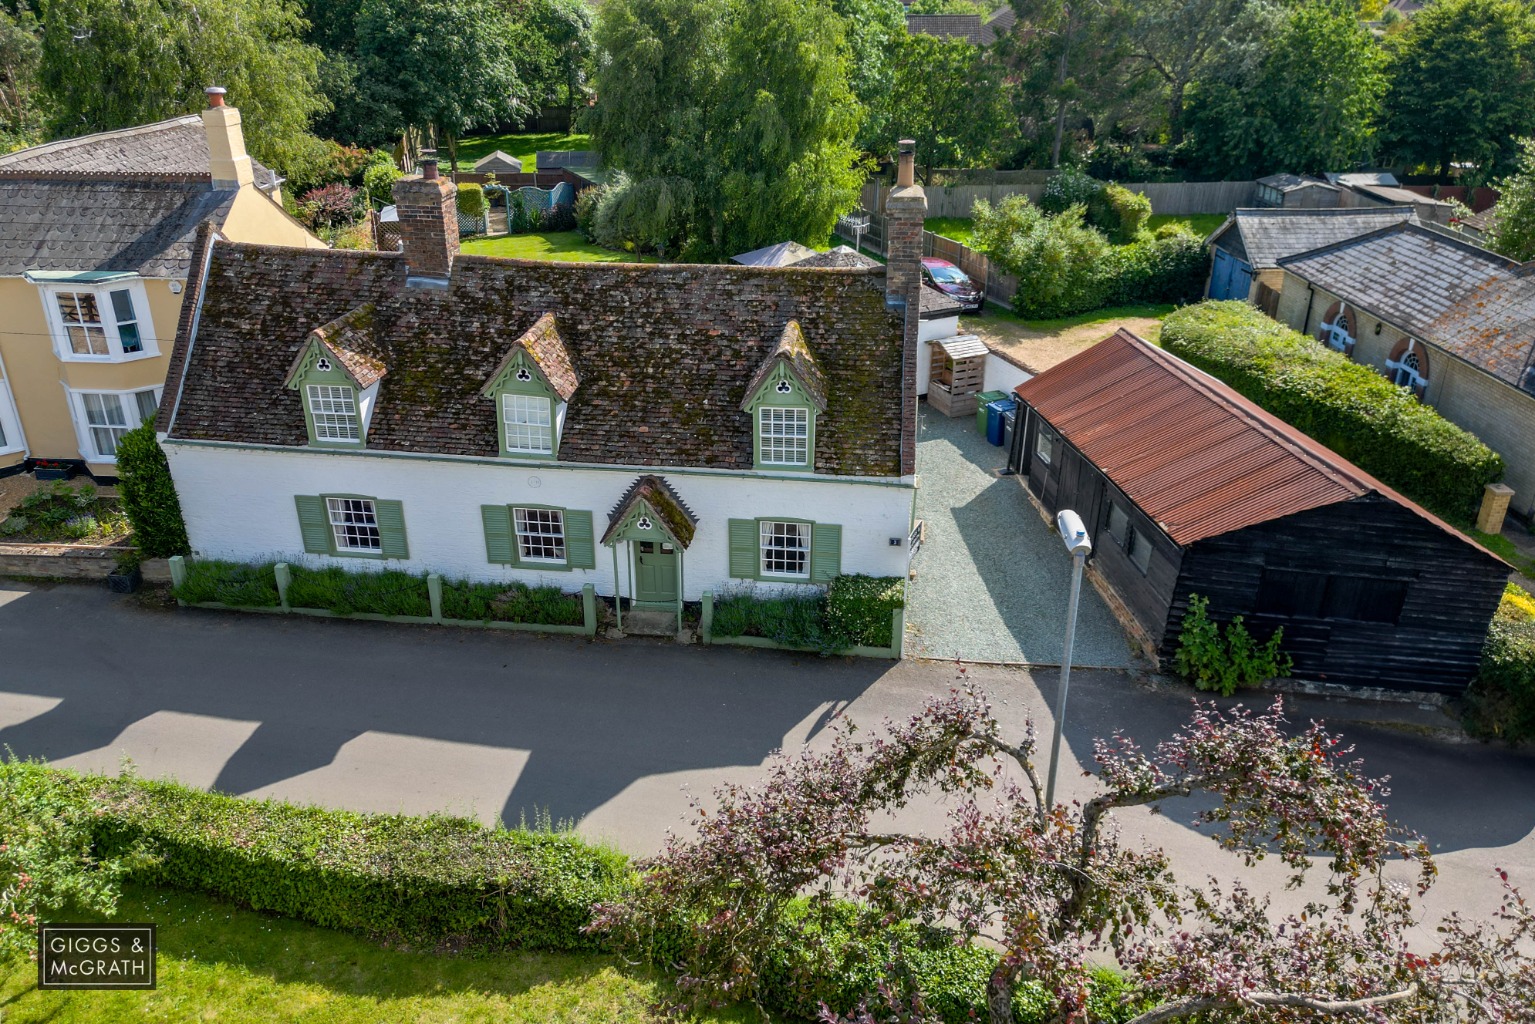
(934, 303)
(841, 256)
(679, 519)
(498, 160)
(176, 146)
(1288, 182)
(664, 353)
(791, 349)
(349, 340)
(1262, 237)
(132, 224)
(1194, 455)
(947, 26)
(1444, 290)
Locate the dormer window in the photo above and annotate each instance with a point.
(784, 398)
(333, 411)
(784, 435)
(527, 424)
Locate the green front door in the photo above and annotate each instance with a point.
(655, 572)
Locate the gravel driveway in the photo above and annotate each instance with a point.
(992, 578)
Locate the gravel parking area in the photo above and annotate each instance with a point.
(992, 578)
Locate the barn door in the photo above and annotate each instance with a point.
(1230, 277)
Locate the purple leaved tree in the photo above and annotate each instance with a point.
(800, 862)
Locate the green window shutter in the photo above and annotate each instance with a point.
(825, 552)
(743, 549)
(313, 523)
(498, 534)
(580, 552)
(391, 528)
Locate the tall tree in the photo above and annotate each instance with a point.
(443, 65)
(20, 99)
(1302, 95)
(115, 63)
(1513, 226)
(1178, 39)
(1462, 76)
(953, 102)
(747, 100)
(563, 30)
(874, 30)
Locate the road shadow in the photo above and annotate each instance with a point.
(593, 717)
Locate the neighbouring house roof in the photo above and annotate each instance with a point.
(934, 304)
(780, 254)
(679, 519)
(1262, 237)
(1190, 452)
(498, 161)
(1290, 182)
(176, 146)
(665, 354)
(841, 256)
(1445, 290)
(1352, 178)
(136, 224)
(1391, 194)
(970, 27)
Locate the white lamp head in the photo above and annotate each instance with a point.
(1073, 532)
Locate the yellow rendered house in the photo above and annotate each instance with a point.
(96, 239)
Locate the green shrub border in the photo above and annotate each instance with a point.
(194, 582)
(876, 596)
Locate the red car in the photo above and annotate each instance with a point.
(954, 283)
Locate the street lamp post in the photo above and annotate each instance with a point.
(1074, 533)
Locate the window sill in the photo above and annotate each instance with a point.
(357, 554)
(133, 357)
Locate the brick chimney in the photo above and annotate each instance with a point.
(228, 164)
(905, 209)
(428, 209)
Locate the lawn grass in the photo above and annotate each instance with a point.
(957, 228)
(1150, 310)
(1202, 224)
(551, 245)
(523, 147)
(1505, 549)
(220, 963)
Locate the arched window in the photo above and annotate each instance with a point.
(1337, 331)
(1408, 366)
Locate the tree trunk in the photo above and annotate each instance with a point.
(1175, 114)
(453, 156)
(1060, 132)
(999, 994)
(1061, 70)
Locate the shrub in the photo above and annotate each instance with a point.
(378, 178)
(233, 583)
(1501, 699)
(651, 215)
(1118, 212)
(326, 207)
(1056, 259)
(389, 592)
(1071, 187)
(1170, 269)
(798, 620)
(1346, 406)
(422, 879)
(511, 602)
(859, 609)
(471, 200)
(558, 218)
(587, 202)
(1225, 664)
(148, 495)
(327, 163)
(61, 513)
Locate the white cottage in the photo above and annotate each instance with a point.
(654, 430)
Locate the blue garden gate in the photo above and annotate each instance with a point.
(1230, 278)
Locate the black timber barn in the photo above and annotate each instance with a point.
(1189, 488)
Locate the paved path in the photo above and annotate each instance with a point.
(992, 576)
(616, 734)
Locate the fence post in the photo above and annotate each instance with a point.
(178, 575)
(284, 579)
(434, 595)
(706, 619)
(589, 607)
(898, 632)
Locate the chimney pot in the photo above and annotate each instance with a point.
(905, 167)
(429, 164)
(215, 95)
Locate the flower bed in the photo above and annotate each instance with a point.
(855, 614)
(61, 514)
(514, 602)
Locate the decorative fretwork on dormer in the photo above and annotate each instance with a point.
(531, 389)
(337, 372)
(784, 397)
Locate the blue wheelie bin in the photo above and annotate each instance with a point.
(996, 413)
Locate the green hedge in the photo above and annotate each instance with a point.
(511, 602)
(233, 583)
(853, 611)
(471, 200)
(148, 495)
(390, 592)
(1501, 700)
(1346, 406)
(425, 880)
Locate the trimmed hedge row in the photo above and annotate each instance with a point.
(1346, 406)
(1501, 700)
(853, 611)
(425, 880)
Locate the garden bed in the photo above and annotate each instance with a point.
(857, 615)
(59, 513)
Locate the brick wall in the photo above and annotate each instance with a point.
(905, 209)
(428, 212)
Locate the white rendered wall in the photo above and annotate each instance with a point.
(238, 505)
(1002, 375)
(929, 331)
